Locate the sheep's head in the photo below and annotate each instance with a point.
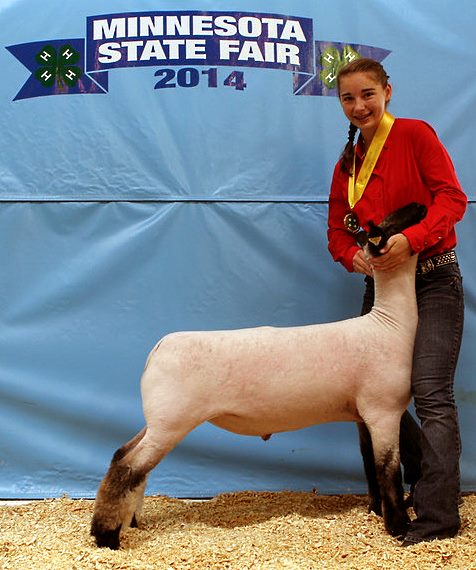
(395, 223)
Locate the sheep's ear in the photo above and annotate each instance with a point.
(377, 238)
(362, 237)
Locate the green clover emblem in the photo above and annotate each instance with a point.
(332, 60)
(58, 67)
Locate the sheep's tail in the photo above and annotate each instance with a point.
(156, 347)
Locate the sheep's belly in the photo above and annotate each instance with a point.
(281, 422)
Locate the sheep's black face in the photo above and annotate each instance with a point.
(395, 223)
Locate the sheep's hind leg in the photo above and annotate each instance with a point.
(121, 491)
(139, 500)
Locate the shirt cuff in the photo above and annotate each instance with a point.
(348, 260)
(418, 242)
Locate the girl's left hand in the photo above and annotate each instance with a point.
(396, 251)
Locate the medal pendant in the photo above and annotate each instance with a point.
(351, 223)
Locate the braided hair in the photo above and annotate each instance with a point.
(362, 65)
(347, 156)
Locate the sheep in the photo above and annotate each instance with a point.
(265, 380)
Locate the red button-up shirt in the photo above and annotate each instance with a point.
(413, 166)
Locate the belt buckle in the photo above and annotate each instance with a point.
(426, 266)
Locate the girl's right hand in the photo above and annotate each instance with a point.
(360, 263)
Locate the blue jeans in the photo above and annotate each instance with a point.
(430, 454)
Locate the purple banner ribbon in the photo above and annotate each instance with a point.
(157, 39)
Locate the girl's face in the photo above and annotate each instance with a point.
(363, 101)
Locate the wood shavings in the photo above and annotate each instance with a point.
(239, 531)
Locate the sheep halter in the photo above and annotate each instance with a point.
(357, 187)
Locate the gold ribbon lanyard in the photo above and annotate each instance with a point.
(357, 188)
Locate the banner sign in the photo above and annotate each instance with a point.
(186, 40)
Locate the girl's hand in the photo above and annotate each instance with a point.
(361, 263)
(396, 251)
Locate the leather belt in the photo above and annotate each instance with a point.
(436, 261)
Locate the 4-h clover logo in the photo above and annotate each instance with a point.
(58, 67)
(332, 60)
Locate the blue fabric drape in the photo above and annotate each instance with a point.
(134, 212)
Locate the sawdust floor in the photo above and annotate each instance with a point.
(239, 531)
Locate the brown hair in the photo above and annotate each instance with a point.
(361, 65)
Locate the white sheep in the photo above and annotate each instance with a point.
(261, 381)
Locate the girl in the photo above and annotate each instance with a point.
(394, 162)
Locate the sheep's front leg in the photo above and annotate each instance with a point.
(366, 449)
(389, 477)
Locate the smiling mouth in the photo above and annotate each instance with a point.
(363, 118)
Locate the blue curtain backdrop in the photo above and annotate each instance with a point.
(144, 191)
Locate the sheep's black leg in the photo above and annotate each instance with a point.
(375, 500)
(390, 480)
(116, 502)
(119, 498)
(139, 499)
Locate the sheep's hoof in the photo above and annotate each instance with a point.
(375, 506)
(398, 527)
(409, 501)
(106, 538)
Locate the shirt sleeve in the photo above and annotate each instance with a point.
(341, 242)
(448, 201)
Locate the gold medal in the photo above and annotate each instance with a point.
(351, 223)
